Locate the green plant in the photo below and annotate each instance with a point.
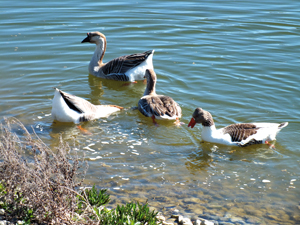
(29, 216)
(129, 214)
(2, 189)
(18, 209)
(96, 197)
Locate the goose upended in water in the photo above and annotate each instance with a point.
(124, 68)
(70, 108)
(242, 134)
(157, 106)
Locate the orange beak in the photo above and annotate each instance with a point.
(192, 123)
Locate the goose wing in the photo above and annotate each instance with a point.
(122, 64)
(159, 106)
(241, 131)
(78, 104)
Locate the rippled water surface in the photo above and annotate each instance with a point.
(237, 59)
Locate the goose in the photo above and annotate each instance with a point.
(157, 106)
(124, 68)
(242, 134)
(70, 108)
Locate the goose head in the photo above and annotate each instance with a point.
(201, 116)
(95, 37)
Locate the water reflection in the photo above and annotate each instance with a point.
(199, 160)
(68, 132)
(130, 93)
(97, 83)
(96, 89)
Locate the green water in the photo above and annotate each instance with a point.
(237, 59)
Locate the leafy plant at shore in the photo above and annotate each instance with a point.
(92, 198)
(129, 214)
(96, 197)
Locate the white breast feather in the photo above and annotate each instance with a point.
(211, 134)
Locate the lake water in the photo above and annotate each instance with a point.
(237, 59)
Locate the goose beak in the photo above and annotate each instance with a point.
(192, 123)
(87, 39)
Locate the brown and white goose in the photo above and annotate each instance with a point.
(242, 134)
(157, 106)
(124, 68)
(70, 108)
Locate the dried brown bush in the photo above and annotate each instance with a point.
(46, 180)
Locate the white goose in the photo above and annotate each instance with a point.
(124, 68)
(157, 106)
(242, 134)
(70, 108)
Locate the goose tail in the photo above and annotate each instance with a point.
(282, 125)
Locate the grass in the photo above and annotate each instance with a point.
(39, 185)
